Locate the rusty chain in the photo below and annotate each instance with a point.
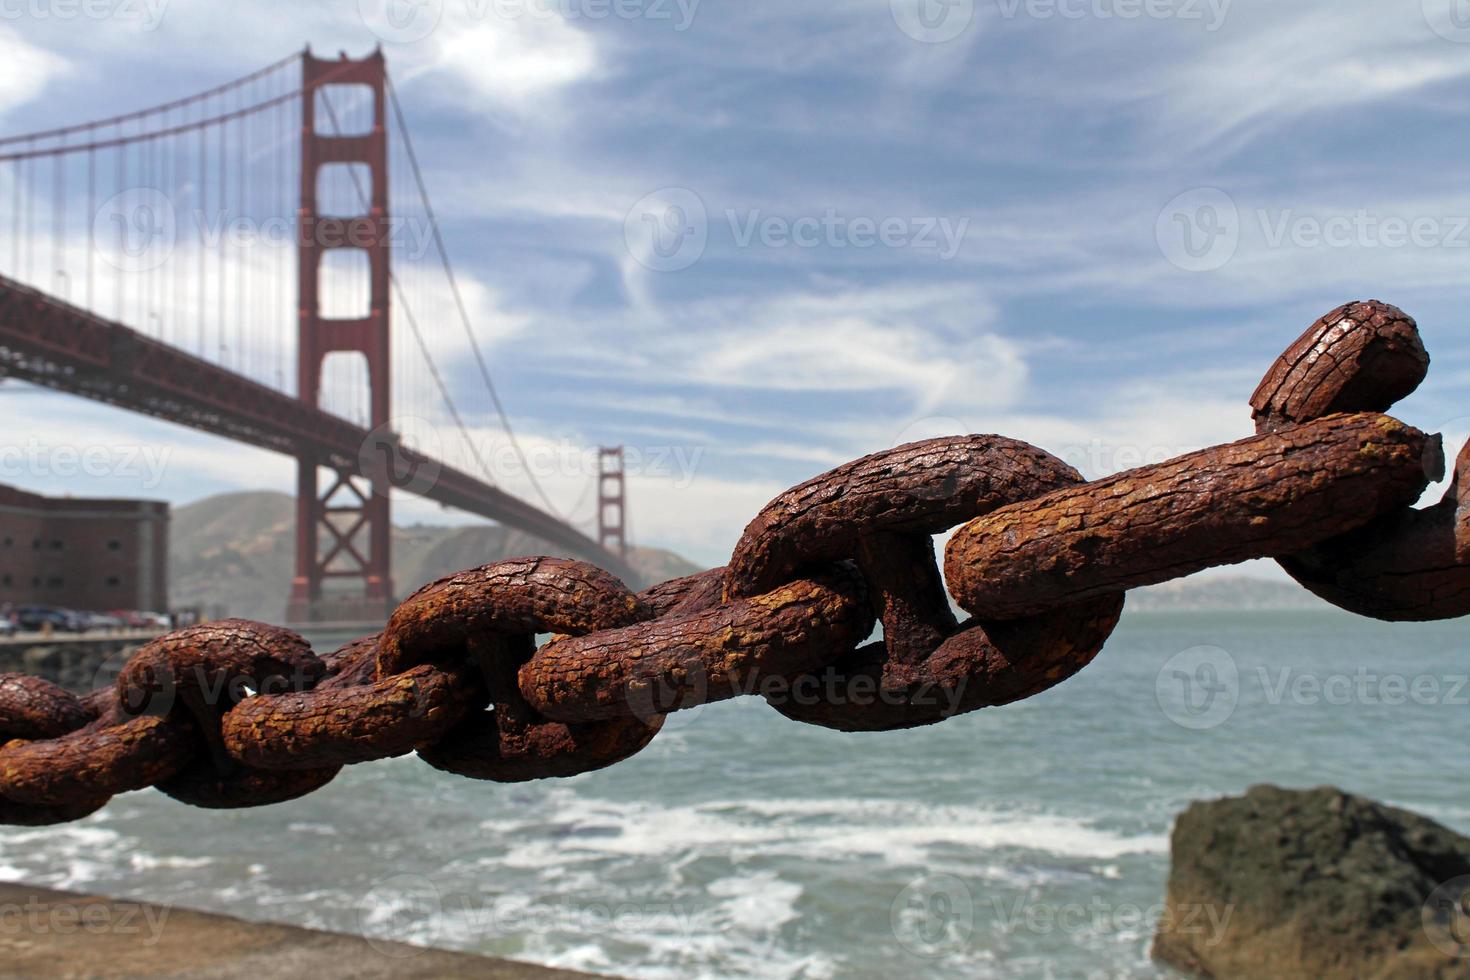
(238, 714)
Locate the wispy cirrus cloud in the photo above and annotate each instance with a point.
(1060, 318)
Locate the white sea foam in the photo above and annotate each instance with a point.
(725, 867)
(74, 835)
(895, 831)
(149, 862)
(318, 829)
(586, 957)
(70, 856)
(756, 902)
(739, 934)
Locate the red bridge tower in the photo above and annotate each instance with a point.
(354, 511)
(612, 501)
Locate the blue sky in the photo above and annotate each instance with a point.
(1090, 224)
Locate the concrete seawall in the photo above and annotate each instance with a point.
(47, 933)
(80, 664)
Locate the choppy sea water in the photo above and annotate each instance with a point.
(1029, 841)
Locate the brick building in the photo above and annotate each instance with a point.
(94, 555)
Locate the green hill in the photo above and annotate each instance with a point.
(234, 554)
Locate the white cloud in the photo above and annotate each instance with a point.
(1137, 425)
(520, 59)
(70, 446)
(161, 297)
(1274, 62)
(508, 56)
(1128, 426)
(848, 353)
(931, 345)
(25, 70)
(514, 61)
(676, 498)
(1061, 139)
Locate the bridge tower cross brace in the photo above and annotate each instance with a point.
(355, 504)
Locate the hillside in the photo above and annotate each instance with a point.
(1233, 593)
(234, 554)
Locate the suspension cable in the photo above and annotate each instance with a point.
(155, 110)
(412, 320)
(459, 300)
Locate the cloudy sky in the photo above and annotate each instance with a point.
(754, 238)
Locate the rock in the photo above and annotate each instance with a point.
(1315, 884)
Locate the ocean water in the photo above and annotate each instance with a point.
(1029, 841)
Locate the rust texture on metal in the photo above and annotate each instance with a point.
(678, 662)
(238, 714)
(1261, 496)
(1407, 564)
(1361, 357)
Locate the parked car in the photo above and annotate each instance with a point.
(130, 618)
(103, 621)
(135, 619)
(60, 620)
(7, 626)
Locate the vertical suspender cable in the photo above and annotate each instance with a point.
(91, 229)
(120, 180)
(240, 253)
(176, 185)
(15, 217)
(30, 205)
(203, 224)
(278, 179)
(219, 241)
(464, 316)
(58, 210)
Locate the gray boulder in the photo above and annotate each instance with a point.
(1315, 884)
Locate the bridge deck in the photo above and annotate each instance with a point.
(46, 341)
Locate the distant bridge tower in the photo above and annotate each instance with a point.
(352, 508)
(612, 500)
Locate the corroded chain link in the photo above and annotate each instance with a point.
(238, 714)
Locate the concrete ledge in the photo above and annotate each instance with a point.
(78, 664)
(34, 639)
(48, 933)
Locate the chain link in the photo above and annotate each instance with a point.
(238, 714)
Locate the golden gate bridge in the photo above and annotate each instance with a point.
(304, 309)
